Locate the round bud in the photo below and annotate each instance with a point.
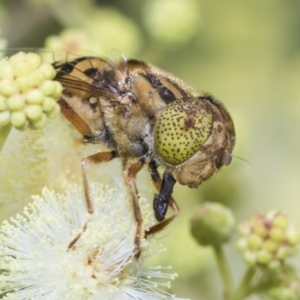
(15, 102)
(21, 68)
(3, 104)
(4, 118)
(212, 224)
(18, 119)
(35, 96)
(6, 87)
(36, 78)
(6, 71)
(48, 70)
(33, 112)
(23, 83)
(33, 60)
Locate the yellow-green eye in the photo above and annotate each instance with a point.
(181, 129)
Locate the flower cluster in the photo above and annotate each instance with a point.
(37, 261)
(267, 240)
(28, 95)
(286, 284)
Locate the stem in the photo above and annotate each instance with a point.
(4, 132)
(224, 271)
(243, 288)
(261, 287)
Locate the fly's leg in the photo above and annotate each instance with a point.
(74, 118)
(163, 199)
(92, 159)
(96, 158)
(130, 171)
(100, 157)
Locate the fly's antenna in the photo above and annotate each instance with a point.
(246, 161)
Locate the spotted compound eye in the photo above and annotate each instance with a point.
(182, 128)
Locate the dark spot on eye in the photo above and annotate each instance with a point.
(91, 72)
(189, 123)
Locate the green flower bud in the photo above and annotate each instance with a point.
(212, 224)
(21, 68)
(4, 118)
(33, 60)
(33, 112)
(274, 265)
(18, 119)
(22, 83)
(35, 96)
(271, 239)
(264, 257)
(250, 258)
(281, 221)
(281, 293)
(48, 87)
(277, 234)
(270, 245)
(49, 104)
(58, 90)
(244, 229)
(48, 70)
(3, 105)
(261, 231)
(6, 87)
(254, 242)
(36, 78)
(6, 71)
(242, 244)
(15, 102)
(53, 113)
(292, 235)
(40, 123)
(289, 291)
(28, 96)
(282, 278)
(283, 252)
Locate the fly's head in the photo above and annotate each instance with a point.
(194, 137)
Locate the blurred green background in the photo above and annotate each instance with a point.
(245, 52)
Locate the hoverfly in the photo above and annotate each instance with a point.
(145, 116)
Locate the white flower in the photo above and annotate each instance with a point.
(35, 262)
